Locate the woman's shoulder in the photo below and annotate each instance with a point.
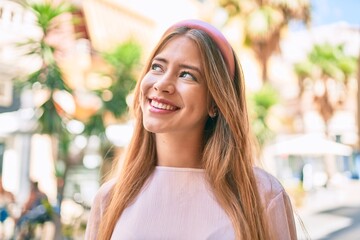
(277, 205)
(269, 187)
(98, 208)
(102, 195)
(107, 186)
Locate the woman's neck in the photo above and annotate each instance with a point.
(174, 150)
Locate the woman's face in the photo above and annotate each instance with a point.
(174, 95)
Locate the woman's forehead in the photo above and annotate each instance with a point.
(180, 46)
(174, 38)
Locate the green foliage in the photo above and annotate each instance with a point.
(262, 132)
(51, 122)
(46, 12)
(304, 69)
(265, 98)
(126, 55)
(325, 62)
(124, 60)
(348, 65)
(95, 125)
(48, 78)
(60, 168)
(332, 61)
(260, 104)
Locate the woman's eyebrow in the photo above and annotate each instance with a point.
(192, 67)
(187, 66)
(160, 59)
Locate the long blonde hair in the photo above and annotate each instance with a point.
(227, 149)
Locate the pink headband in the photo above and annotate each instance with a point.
(215, 35)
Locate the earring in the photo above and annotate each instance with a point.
(214, 115)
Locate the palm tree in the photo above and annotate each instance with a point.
(264, 22)
(49, 80)
(326, 63)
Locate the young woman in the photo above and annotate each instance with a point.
(189, 171)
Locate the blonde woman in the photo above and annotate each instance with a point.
(189, 171)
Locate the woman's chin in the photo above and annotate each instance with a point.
(152, 128)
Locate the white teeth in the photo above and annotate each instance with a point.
(162, 105)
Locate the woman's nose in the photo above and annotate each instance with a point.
(164, 84)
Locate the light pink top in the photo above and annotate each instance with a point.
(177, 204)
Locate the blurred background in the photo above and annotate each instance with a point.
(68, 68)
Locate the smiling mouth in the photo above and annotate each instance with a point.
(163, 106)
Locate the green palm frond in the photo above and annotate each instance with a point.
(124, 55)
(348, 65)
(124, 59)
(54, 79)
(304, 69)
(47, 12)
(332, 61)
(266, 97)
(50, 121)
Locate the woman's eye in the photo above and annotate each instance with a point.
(187, 75)
(156, 67)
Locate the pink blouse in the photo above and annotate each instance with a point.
(177, 204)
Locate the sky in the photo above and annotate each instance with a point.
(323, 11)
(330, 11)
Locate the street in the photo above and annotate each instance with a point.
(333, 213)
